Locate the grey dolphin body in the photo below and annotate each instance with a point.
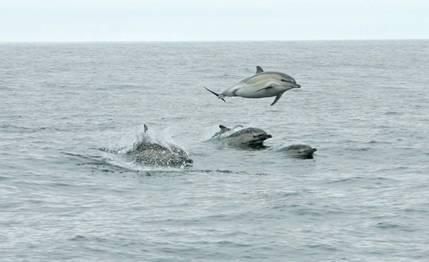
(246, 137)
(300, 151)
(150, 153)
(262, 84)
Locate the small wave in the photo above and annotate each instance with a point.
(24, 129)
(59, 184)
(85, 238)
(100, 162)
(215, 171)
(392, 113)
(416, 210)
(359, 149)
(322, 247)
(394, 226)
(113, 163)
(120, 86)
(387, 225)
(171, 118)
(78, 238)
(394, 168)
(360, 178)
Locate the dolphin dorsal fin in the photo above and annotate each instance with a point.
(259, 69)
(224, 128)
(145, 128)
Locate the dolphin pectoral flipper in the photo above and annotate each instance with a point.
(216, 94)
(259, 69)
(276, 99)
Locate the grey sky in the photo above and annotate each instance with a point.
(169, 20)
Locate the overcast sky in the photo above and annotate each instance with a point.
(212, 20)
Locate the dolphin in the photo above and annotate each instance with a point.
(246, 137)
(151, 153)
(300, 151)
(261, 84)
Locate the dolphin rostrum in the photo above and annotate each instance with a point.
(262, 84)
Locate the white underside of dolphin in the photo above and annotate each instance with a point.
(262, 84)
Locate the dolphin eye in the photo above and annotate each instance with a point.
(284, 80)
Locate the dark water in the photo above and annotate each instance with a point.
(364, 197)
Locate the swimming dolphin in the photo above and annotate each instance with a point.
(151, 153)
(300, 151)
(246, 137)
(262, 84)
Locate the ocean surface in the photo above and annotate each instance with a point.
(364, 197)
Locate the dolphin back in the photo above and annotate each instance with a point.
(300, 151)
(246, 137)
(155, 154)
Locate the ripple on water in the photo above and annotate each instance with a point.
(392, 113)
(115, 164)
(359, 179)
(359, 149)
(387, 225)
(2, 178)
(363, 197)
(23, 129)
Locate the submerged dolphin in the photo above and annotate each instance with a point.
(300, 151)
(262, 84)
(154, 154)
(246, 137)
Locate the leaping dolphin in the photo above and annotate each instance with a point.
(262, 84)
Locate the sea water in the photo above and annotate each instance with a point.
(363, 105)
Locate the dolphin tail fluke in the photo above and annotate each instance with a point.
(216, 94)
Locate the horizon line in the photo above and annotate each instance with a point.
(205, 41)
